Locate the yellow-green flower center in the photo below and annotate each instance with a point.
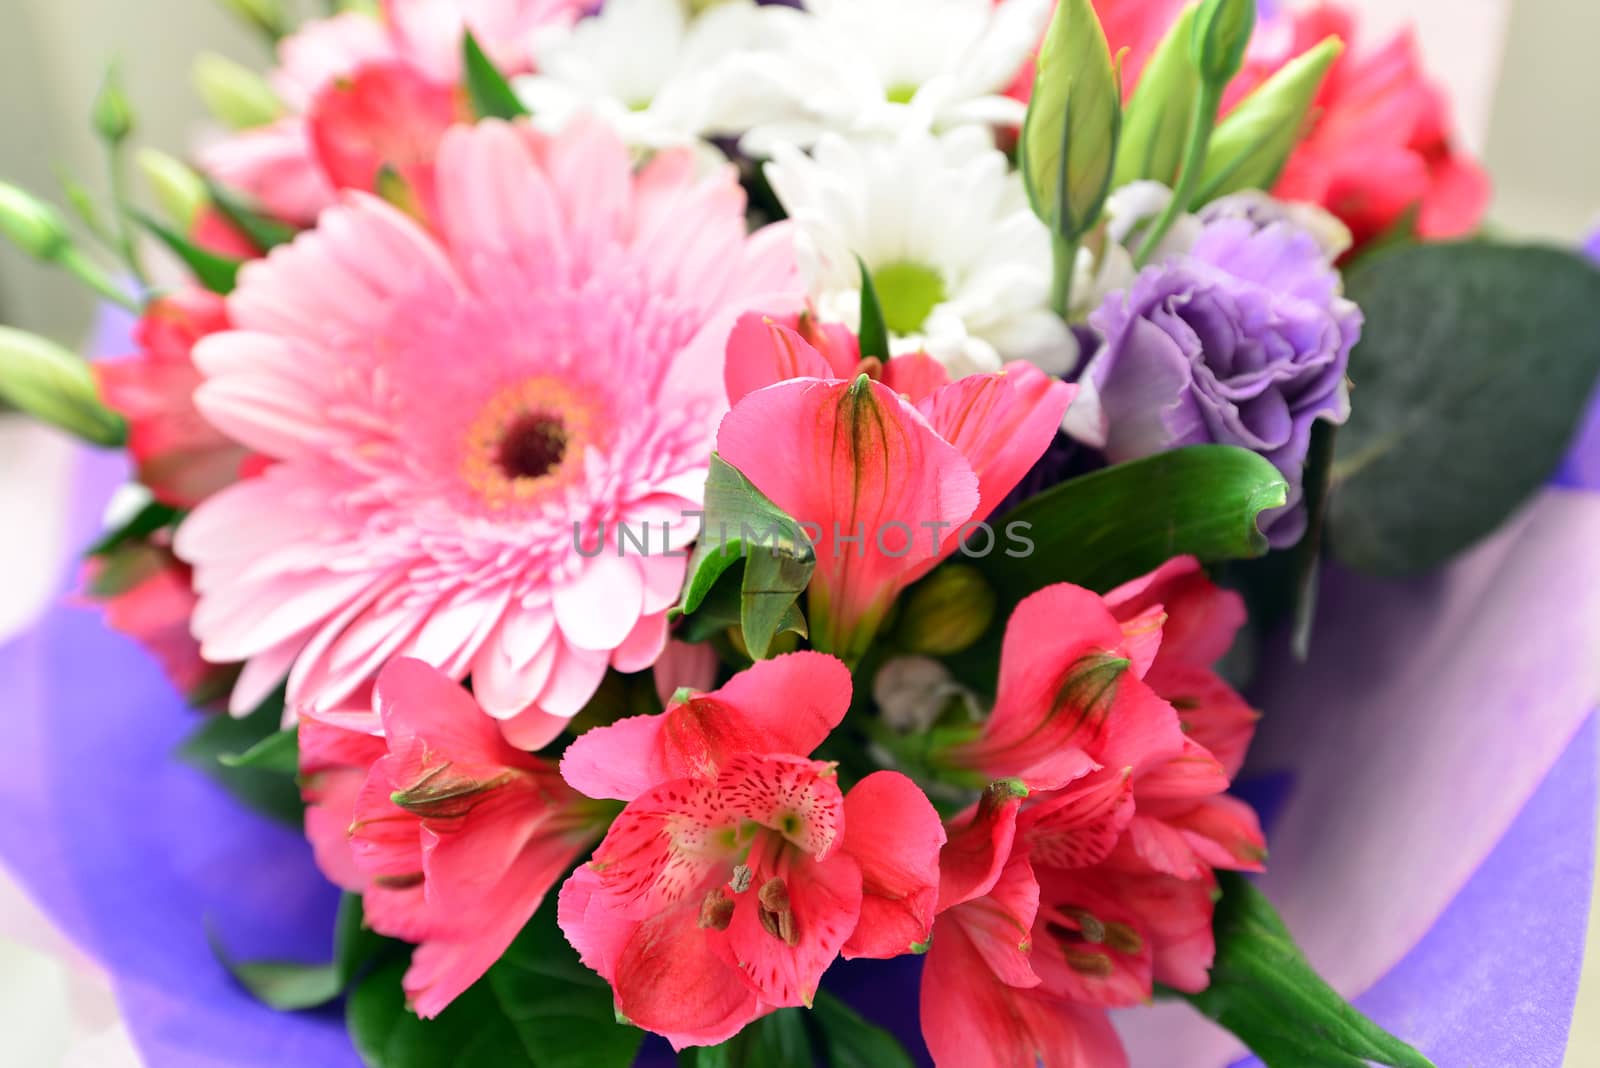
(907, 292)
(902, 93)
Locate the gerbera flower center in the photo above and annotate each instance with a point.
(534, 445)
(524, 440)
(908, 292)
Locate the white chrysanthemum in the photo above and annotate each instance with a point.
(876, 66)
(660, 74)
(961, 265)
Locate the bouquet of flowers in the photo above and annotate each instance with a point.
(749, 528)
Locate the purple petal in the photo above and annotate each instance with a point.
(132, 852)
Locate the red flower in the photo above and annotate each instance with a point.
(739, 870)
(1381, 149)
(182, 458)
(1078, 895)
(451, 836)
(148, 595)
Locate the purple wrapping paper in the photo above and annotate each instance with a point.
(1429, 714)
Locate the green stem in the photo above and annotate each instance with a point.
(126, 244)
(80, 268)
(1203, 122)
(1064, 257)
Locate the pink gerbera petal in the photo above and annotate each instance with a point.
(458, 418)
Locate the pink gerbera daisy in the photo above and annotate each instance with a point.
(462, 420)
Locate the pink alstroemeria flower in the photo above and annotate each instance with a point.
(1072, 695)
(181, 457)
(886, 483)
(739, 870)
(983, 1004)
(452, 836)
(1080, 895)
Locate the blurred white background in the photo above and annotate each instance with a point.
(1524, 75)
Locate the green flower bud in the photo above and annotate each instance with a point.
(947, 613)
(32, 225)
(178, 189)
(1069, 139)
(1156, 126)
(234, 94)
(1222, 31)
(112, 114)
(1253, 143)
(266, 15)
(45, 380)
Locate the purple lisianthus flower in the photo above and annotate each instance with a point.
(1242, 340)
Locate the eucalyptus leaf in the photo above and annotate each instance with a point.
(217, 273)
(741, 524)
(1476, 362)
(50, 383)
(1263, 990)
(269, 792)
(491, 95)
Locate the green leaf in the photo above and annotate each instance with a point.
(742, 524)
(149, 519)
(278, 753)
(564, 1013)
(492, 96)
(777, 1040)
(1069, 138)
(288, 986)
(874, 332)
(538, 1006)
(850, 1042)
(43, 379)
(1114, 525)
(471, 1033)
(263, 232)
(1476, 363)
(1155, 128)
(1308, 554)
(1263, 990)
(283, 985)
(269, 792)
(217, 273)
(1250, 146)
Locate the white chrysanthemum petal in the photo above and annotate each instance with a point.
(858, 67)
(961, 263)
